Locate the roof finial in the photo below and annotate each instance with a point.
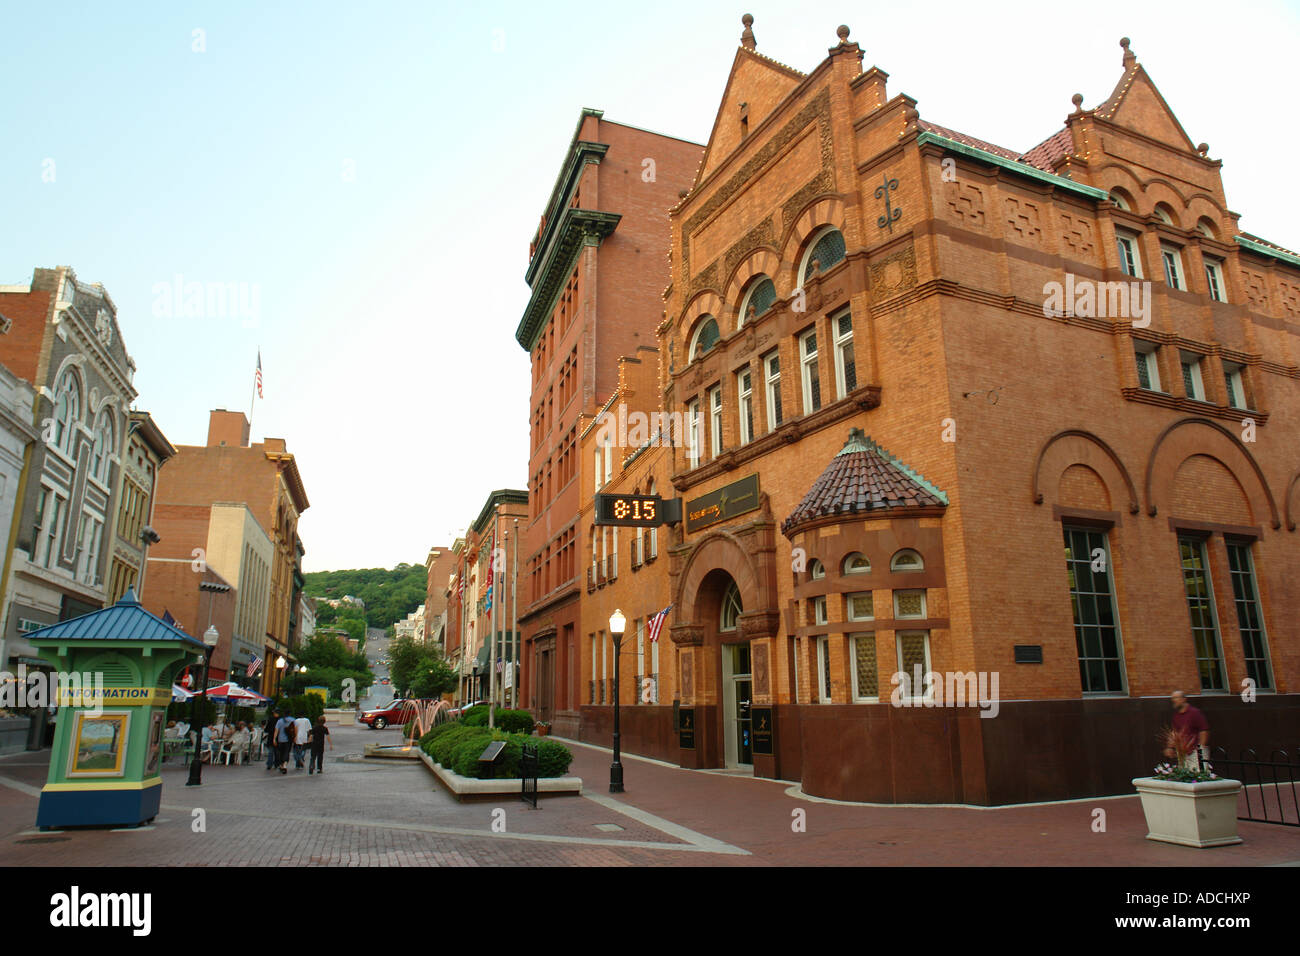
(747, 36)
(1077, 100)
(1129, 56)
(843, 33)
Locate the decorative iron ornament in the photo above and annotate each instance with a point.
(891, 215)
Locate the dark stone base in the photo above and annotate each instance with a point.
(98, 808)
(1031, 751)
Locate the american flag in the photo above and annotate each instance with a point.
(657, 623)
(258, 377)
(253, 665)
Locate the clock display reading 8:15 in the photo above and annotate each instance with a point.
(635, 509)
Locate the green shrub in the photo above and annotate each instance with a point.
(511, 721)
(464, 760)
(437, 731)
(457, 747)
(442, 746)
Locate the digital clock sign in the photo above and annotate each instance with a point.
(637, 511)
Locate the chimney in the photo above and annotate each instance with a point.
(227, 428)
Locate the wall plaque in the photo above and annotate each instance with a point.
(762, 726)
(1029, 653)
(686, 728)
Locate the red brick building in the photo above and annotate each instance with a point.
(990, 415)
(263, 477)
(597, 272)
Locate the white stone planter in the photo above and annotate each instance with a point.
(1190, 814)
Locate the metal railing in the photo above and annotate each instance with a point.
(1268, 787)
(528, 771)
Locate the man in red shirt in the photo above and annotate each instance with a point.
(1192, 726)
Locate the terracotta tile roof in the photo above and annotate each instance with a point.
(966, 140)
(863, 478)
(1046, 153)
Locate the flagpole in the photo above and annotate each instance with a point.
(253, 399)
(515, 686)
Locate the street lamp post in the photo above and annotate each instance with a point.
(617, 625)
(199, 704)
(280, 664)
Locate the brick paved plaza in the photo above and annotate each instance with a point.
(390, 813)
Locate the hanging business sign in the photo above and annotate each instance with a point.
(724, 503)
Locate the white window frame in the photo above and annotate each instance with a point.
(925, 604)
(745, 404)
(806, 258)
(1214, 279)
(893, 562)
(898, 657)
(1195, 361)
(1235, 380)
(693, 433)
(823, 644)
(849, 613)
(843, 343)
(640, 653)
(816, 570)
(1130, 254)
(1171, 259)
(808, 367)
(847, 567)
(694, 351)
(772, 389)
(853, 669)
(754, 283)
(715, 420)
(1149, 352)
(819, 610)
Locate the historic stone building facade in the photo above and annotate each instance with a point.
(63, 337)
(959, 410)
(596, 270)
(147, 449)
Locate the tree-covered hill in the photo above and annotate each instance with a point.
(390, 595)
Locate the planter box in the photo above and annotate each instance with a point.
(13, 734)
(1190, 814)
(469, 788)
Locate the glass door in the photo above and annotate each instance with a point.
(737, 700)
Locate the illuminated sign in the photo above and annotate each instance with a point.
(637, 511)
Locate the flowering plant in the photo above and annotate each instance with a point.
(1177, 746)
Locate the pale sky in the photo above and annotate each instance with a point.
(370, 175)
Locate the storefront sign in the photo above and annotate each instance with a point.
(726, 502)
(761, 724)
(686, 728)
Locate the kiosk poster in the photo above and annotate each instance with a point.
(98, 745)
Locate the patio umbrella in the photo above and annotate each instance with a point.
(232, 693)
(180, 693)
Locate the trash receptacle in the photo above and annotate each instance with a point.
(36, 732)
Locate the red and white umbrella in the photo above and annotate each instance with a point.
(233, 693)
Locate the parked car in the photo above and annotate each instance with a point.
(383, 680)
(397, 711)
(457, 712)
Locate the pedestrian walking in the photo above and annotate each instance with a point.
(319, 734)
(283, 741)
(301, 731)
(268, 735)
(1194, 730)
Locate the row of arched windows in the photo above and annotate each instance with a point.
(857, 563)
(824, 250)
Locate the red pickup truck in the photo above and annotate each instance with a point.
(394, 712)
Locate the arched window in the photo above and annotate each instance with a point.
(857, 563)
(706, 336)
(67, 410)
(103, 445)
(816, 571)
(759, 298)
(826, 251)
(906, 560)
(1120, 199)
(731, 608)
(1165, 214)
(1206, 228)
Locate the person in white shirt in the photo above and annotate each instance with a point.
(302, 727)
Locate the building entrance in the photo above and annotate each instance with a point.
(737, 697)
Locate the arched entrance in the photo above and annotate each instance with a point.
(725, 590)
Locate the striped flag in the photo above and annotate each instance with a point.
(253, 665)
(657, 622)
(258, 377)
